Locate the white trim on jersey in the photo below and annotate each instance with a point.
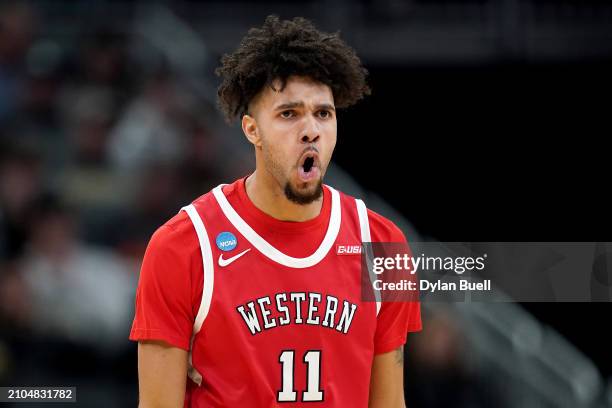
(364, 226)
(209, 265)
(364, 222)
(271, 252)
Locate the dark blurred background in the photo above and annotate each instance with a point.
(489, 121)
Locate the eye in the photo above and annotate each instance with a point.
(287, 114)
(324, 114)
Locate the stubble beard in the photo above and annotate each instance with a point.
(306, 198)
(292, 193)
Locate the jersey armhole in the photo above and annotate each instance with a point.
(208, 265)
(364, 228)
(207, 289)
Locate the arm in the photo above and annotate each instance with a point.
(162, 375)
(387, 381)
(164, 316)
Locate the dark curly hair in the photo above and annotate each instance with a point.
(280, 49)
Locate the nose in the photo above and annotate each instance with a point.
(311, 131)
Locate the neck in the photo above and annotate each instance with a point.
(269, 197)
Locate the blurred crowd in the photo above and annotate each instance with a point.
(96, 151)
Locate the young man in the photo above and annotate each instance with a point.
(250, 289)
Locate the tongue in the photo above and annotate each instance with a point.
(308, 175)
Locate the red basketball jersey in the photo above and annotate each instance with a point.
(270, 311)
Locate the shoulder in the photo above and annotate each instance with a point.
(172, 262)
(176, 238)
(175, 226)
(382, 229)
(177, 235)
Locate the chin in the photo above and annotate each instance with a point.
(306, 195)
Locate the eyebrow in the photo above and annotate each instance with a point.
(291, 105)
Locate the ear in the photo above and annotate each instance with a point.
(249, 127)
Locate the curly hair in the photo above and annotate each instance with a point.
(280, 49)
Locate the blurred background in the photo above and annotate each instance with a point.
(489, 121)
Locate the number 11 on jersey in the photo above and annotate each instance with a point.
(313, 392)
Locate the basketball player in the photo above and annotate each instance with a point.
(250, 296)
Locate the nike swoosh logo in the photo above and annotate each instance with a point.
(225, 262)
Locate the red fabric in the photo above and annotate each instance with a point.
(241, 368)
(395, 319)
(165, 297)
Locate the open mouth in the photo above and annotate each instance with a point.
(308, 163)
(309, 167)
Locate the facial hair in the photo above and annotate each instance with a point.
(292, 194)
(303, 198)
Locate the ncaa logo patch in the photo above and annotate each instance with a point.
(226, 241)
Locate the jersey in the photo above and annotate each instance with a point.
(270, 311)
